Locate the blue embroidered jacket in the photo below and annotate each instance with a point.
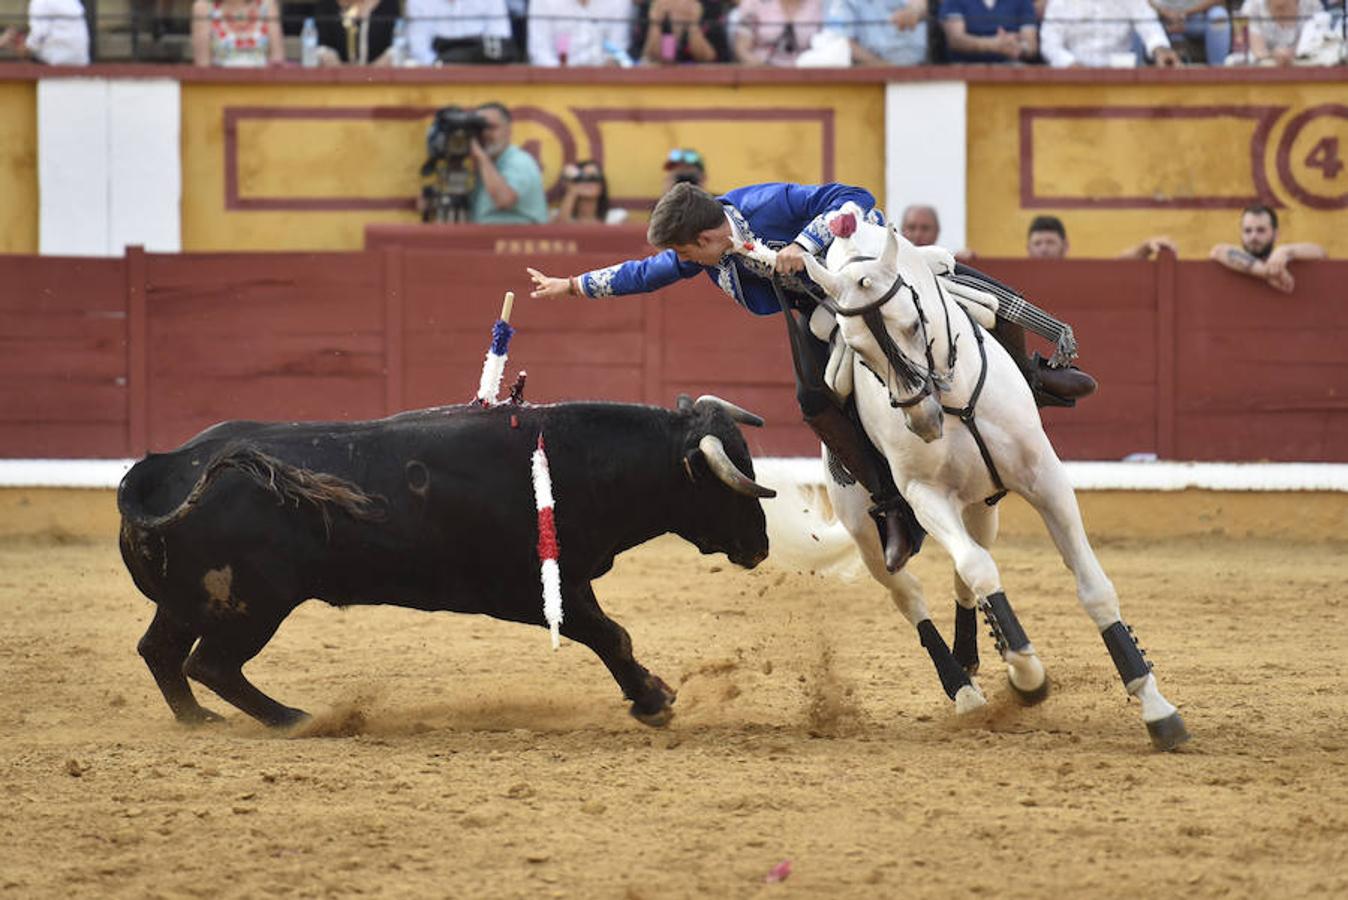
(774, 215)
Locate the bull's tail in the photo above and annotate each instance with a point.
(290, 485)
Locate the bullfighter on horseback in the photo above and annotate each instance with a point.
(696, 232)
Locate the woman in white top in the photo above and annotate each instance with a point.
(58, 34)
(574, 32)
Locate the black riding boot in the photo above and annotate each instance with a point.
(1051, 387)
(900, 534)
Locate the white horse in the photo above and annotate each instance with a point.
(918, 351)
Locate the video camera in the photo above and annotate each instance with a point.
(449, 142)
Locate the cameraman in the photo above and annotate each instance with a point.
(509, 189)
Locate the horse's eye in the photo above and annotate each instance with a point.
(865, 282)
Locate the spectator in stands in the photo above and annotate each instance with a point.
(355, 31)
(58, 34)
(1100, 33)
(684, 164)
(774, 32)
(1275, 28)
(681, 31)
(1205, 20)
(575, 32)
(509, 188)
(465, 30)
(237, 33)
(922, 227)
(585, 197)
(998, 32)
(1257, 257)
(881, 32)
(1046, 239)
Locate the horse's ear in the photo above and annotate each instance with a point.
(821, 276)
(889, 259)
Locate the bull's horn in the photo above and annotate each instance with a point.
(738, 413)
(714, 452)
(684, 402)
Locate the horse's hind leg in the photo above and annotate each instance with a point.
(164, 647)
(851, 505)
(1056, 502)
(975, 568)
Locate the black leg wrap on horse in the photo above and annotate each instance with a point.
(952, 674)
(1129, 658)
(1003, 624)
(966, 638)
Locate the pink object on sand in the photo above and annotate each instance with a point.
(779, 872)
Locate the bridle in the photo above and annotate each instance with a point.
(923, 380)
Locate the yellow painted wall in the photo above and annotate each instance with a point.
(18, 167)
(380, 157)
(1141, 154)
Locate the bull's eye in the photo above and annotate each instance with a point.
(865, 282)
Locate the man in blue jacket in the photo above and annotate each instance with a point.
(698, 233)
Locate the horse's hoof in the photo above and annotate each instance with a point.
(1026, 675)
(658, 719)
(968, 699)
(1031, 697)
(1168, 733)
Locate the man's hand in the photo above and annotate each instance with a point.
(1283, 282)
(544, 286)
(1006, 43)
(791, 258)
(906, 19)
(1165, 58)
(1276, 264)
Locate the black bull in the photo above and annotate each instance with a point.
(433, 510)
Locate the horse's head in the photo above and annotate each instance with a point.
(873, 294)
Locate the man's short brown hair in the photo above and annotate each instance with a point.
(682, 214)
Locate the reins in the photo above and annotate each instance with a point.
(908, 371)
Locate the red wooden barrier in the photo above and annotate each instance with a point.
(113, 357)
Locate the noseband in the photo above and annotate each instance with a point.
(910, 373)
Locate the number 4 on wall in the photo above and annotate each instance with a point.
(1325, 157)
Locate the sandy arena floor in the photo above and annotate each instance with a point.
(456, 756)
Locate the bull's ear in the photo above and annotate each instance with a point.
(889, 260)
(684, 403)
(821, 276)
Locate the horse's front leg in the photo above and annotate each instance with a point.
(851, 504)
(1056, 502)
(976, 573)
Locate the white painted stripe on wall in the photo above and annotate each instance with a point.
(72, 166)
(109, 166)
(925, 152)
(145, 199)
(784, 472)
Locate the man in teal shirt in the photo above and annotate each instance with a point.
(509, 189)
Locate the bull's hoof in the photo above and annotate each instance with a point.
(658, 719)
(290, 718)
(194, 718)
(1168, 733)
(657, 707)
